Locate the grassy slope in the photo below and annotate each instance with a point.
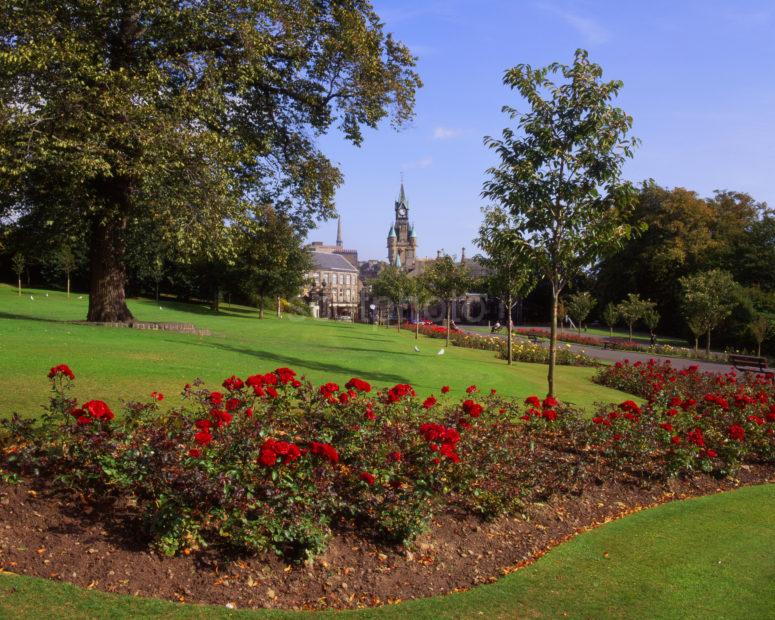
(122, 363)
(708, 557)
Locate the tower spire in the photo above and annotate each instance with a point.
(339, 242)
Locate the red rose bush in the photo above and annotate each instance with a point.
(270, 462)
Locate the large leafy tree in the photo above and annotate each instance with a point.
(510, 273)
(560, 171)
(184, 117)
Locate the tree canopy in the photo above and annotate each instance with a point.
(560, 171)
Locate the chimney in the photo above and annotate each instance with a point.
(339, 242)
(463, 255)
(438, 253)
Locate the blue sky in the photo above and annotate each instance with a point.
(699, 80)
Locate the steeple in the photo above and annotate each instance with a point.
(339, 242)
(398, 261)
(392, 232)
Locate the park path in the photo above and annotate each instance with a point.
(615, 355)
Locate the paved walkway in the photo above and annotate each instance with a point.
(616, 355)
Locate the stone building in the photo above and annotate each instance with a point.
(335, 287)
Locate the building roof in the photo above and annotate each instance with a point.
(392, 232)
(332, 262)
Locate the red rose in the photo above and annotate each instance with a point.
(249, 412)
(676, 439)
(429, 402)
(737, 432)
(325, 450)
(711, 454)
(157, 396)
(232, 404)
(61, 370)
(666, 426)
(203, 424)
(367, 478)
(358, 384)
(233, 383)
(395, 457)
(445, 389)
(98, 410)
(550, 414)
(370, 415)
(203, 437)
(473, 409)
(267, 457)
(549, 402)
(470, 389)
(533, 401)
(271, 391)
(216, 398)
(285, 375)
(195, 453)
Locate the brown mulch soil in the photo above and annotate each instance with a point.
(48, 534)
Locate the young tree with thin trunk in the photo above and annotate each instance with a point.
(421, 297)
(447, 279)
(184, 118)
(511, 275)
(709, 298)
(579, 306)
(761, 327)
(610, 316)
(66, 263)
(560, 172)
(393, 284)
(633, 309)
(651, 320)
(18, 263)
(697, 328)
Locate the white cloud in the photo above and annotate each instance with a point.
(424, 162)
(446, 133)
(592, 31)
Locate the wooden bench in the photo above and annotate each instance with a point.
(749, 363)
(609, 343)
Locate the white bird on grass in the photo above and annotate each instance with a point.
(80, 296)
(416, 348)
(32, 298)
(46, 294)
(441, 352)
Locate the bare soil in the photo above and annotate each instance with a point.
(67, 538)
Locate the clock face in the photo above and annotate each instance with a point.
(402, 211)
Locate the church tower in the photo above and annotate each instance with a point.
(401, 242)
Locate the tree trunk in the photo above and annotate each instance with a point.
(215, 304)
(630, 326)
(261, 307)
(707, 345)
(279, 309)
(758, 349)
(553, 340)
(509, 355)
(20, 285)
(398, 317)
(448, 321)
(157, 293)
(107, 299)
(696, 344)
(417, 322)
(68, 286)
(611, 329)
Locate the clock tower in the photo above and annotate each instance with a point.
(401, 242)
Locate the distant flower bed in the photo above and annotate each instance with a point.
(562, 335)
(273, 463)
(521, 351)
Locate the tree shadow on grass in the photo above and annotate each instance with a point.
(291, 361)
(27, 317)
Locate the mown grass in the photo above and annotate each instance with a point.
(113, 363)
(702, 558)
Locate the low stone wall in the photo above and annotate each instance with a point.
(183, 328)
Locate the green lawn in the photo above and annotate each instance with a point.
(703, 558)
(115, 363)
